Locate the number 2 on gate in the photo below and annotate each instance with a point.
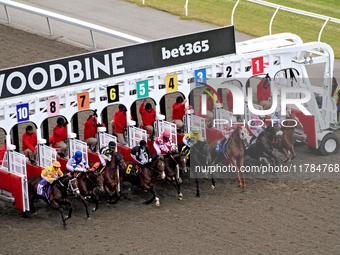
(171, 83)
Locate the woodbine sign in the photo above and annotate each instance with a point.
(119, 61)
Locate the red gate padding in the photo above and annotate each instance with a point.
(17, 191)
(33, 171)
(5, 181)
(308, 123)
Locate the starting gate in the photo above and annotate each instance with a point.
(105, 138)
(47, 155)
(195, 121)
(136, 135)
(77, 145)
(222, 114)
(167, 126)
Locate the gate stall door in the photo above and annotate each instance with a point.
(196, 121)
(19, 185)
(105, 138)
(136, 135)
(47, 155)
(167, 126)
(77, 145)
(222, 115)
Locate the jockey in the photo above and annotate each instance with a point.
(162, 143)
(192, 137)
(256, 128)
(141, 153)
(73, 164)
(106, 153)
(51, 174)
(228, 129)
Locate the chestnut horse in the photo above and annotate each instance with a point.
(171, 161)
(58, 194)
(234, 149)
(87, 182)
(146, 179)
(288, 141)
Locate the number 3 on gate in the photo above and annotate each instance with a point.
(83, 101)
(171, 83)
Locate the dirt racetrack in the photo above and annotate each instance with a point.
(270, 216)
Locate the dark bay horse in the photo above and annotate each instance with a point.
(58, 194)
(146, 178)
(234, 150)
(265, 144)
(87, 182)
(288, 141)
(200, 156)
(172, 161)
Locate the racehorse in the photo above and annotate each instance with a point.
(146, 178)
(58, 194)
(200, 155)
(87, 182)
(234, 151)
(288, 141)
(171, 161)
(265, 144)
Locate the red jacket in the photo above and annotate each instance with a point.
(178, 111)
(120, 121)
(147, 118)
(59, 134)
(2, 152)
(230, 101)
(90, 128)
(262, 93)
(29, 141)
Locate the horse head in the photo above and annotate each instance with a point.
(119, 160)
(159, 165)
(73, 186)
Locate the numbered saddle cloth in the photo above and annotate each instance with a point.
(132, 169)
(220, 146)
(40, 189)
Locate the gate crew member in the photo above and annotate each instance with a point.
(256, 128)
(29, 144)
(106, 153)
(263, 93)
(163, 143)
(51, 174)
(90, 130)
(60, 136)
(148, 117)
(141, 153)
(120, 123)
(336, 96)
(77, 163)
(178, 111)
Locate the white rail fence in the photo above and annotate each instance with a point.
(55, 16)
(288, 9)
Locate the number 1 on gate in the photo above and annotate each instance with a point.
(171, 83)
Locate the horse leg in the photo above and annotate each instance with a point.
(62, 216)
(243, 173)
(286, 154)
(233, 161)
(118, 195)
(212, 182)
(293, 152)
(95, 197)
(32, 206)
(86, 206)
(153, 198)
(70, 210)
(176, 184)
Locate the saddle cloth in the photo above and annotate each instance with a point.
(40, 189)
(219, 146)
(133, 169)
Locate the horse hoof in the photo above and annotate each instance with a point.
(180, 196)
(240, 186)
(180, 180)
(212, 187)
(66, 218)
(157, 203)
(198, 194)
(88, 218)
(35, 213)
(94, 209)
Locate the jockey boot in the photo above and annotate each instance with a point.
(45, 188)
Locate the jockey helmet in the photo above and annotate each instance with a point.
(56, 164)
(112, 144)
(179, 99)
(148, 106)
(78, 154)
(142, 143)
(195, 130)
(60, 121)
(29, 127)
(166, 135)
